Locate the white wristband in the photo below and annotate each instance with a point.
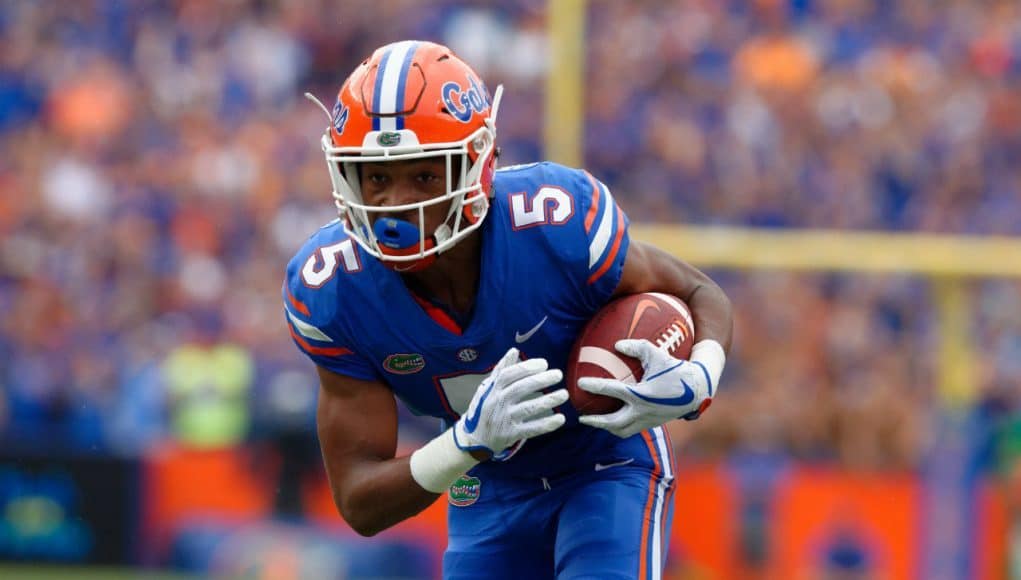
(710, 354)
(436, 465)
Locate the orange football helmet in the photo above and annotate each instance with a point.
(410, 100)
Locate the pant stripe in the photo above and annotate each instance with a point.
(643, 559)
(652, 548)
(664, 489)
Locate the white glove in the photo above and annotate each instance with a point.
(670, 389)
(509, 406)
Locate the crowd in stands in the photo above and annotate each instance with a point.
(159, 166)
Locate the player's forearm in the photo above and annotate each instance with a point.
(376, 495)
(712, 313)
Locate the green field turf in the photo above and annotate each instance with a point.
(40, 572)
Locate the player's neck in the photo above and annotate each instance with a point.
(453, 280)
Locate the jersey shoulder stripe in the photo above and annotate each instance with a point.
(605, 228)
(328, 351)
(309, 337)
(606, 244)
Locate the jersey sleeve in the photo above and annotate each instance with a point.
(595, 241)
(311, 319)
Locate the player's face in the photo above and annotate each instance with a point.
(396, 183)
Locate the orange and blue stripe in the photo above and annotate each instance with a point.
(307, 336)
(658, 506)
(605, 227)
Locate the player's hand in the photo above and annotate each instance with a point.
(670, 389)
(509, 406)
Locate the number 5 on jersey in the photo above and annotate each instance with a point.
(549, 205)
(322, 264)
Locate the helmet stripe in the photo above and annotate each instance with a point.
(378, 90)
(403, 83)
(390, 84)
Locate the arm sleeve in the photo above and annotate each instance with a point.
(595, 241)
(312, 321)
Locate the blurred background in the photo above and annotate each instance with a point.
(159, 166)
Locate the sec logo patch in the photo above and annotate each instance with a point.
(467, 354)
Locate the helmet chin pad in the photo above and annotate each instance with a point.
(402, 238)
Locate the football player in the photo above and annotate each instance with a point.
(459, 289)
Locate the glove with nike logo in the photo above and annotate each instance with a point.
(670, 388)
(509, 406)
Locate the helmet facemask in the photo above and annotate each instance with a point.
(466, 191)
(412, 100)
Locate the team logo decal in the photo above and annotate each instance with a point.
(467, 354)
(465, 491)
(404, 364)
(463, 103)
(340, 114)
(388, 139)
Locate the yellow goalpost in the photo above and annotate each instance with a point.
(947, 261)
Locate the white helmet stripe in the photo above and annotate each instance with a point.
(390, 81)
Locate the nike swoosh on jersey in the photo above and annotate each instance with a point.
(685, 398)
(472, 422)
(519, 338)
(602, 466)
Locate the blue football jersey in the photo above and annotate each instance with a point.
(553, 250)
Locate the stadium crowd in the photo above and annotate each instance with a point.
(158, 166)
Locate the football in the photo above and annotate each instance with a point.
(662, 319)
